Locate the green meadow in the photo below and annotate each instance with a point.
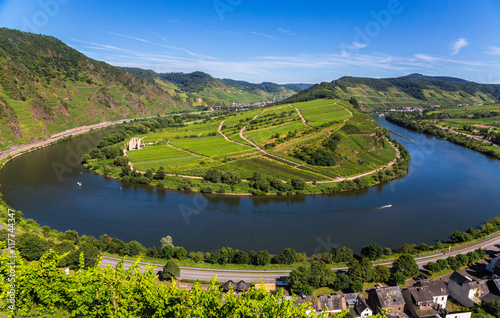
(197, 147)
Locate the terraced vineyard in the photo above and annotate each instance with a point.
(323, 141)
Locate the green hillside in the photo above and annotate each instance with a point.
(414, 90)
(312, 147)
(47, 87)
(201, 89)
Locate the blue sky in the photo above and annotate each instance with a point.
(280, 41)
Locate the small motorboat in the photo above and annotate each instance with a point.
(79, 183)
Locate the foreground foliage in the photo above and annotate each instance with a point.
(43, 288)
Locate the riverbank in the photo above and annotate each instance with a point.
(465, 140)
(121, 168)
(10, 154)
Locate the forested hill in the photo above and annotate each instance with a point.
(414, 90)
(47, 87)
(201, 89)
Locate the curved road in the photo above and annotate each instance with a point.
(491, 244)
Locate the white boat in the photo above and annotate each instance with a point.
(79, 183)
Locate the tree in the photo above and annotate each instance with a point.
(372, 252)
(453, 263)
(406, 265)
(31, 246)
(160, 174)
(262, 258)
(133, 248)
(462, 259)
(180, 252)
(381, 274)
(398, 278)
(70, 236)
(298, 184)
(299, 278)
(167, 240)
(230, 177)
(85, 158)
(241, 257)
(343, 282)
(433, 267)
(321, 275)
(341, 254)
(90, 255)
(17, 216)
(288, 256)
(170, 271)
(493, 308)
(45, 230)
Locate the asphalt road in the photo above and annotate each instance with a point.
(490, 245)
(223, 275)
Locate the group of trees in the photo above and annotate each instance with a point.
(263, 185)
(43, 288)
(324, 155)
(456, 262)
(319, 274)
(413, 122)
(227, 255)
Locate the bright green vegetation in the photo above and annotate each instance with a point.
(115, 292)
(460, 125)
(47, 87)
(343, 143)
(163, 156)
(468, 119)
(213, 147)
(414, 90)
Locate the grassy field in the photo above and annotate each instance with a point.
(477, 116)
(196, 147)
(319, 112)
(163, 156)
(215, 147)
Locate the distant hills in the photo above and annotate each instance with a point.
(201, 89)
(47, 87)
(413, 90)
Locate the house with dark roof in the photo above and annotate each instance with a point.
(494, 266)
(426, 298)
(386, 298)
(465, 290)
(361, 308)
(331, 304)
(351, 299)
(239, 287)
(302, 298)
(438, 291)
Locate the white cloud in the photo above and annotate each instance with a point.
(265, 35)
(458, 45)
(357, 45)
(283, 30)
(493, 50)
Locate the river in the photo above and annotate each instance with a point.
(448, 188)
